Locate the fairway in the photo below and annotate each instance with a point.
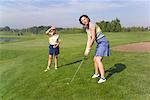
(22, 65)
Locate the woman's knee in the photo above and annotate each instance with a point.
(98, 58)
(94, 59)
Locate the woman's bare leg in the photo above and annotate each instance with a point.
(100, 66)
(95, 65)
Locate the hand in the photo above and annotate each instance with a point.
(55, 45)
(50, 33)
(87, 51)
(85, 58)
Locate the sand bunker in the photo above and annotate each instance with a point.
(138, 47)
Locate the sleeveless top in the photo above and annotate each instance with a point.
(99, 33)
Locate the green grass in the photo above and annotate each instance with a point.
(13, 37)
(22, 67)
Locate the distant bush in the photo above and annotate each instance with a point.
(72, 31)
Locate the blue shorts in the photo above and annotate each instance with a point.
(53, 51)
(102, 48)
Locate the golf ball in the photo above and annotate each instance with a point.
(67, 83)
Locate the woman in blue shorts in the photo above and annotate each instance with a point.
(94, 33)
(54, 42)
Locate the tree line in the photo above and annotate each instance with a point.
(106, 26)
(115, 26)
(33, 30)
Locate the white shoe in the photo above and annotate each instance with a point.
(46, 69)
(95, 76)
(56, 68)
(102, 80)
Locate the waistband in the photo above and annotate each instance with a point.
(99, 36)
(102, 39)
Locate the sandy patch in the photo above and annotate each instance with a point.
(138, 47)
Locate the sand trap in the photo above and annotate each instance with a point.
(138, 47)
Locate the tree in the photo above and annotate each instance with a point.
(113, 26)
(108, 26)
(6, 28)
(34, 29)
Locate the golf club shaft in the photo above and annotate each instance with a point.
(76, 71)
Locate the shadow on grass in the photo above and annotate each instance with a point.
(117, 68)
(70, 63)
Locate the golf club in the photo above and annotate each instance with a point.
(76, 72)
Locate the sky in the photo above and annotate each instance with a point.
(65, 13)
